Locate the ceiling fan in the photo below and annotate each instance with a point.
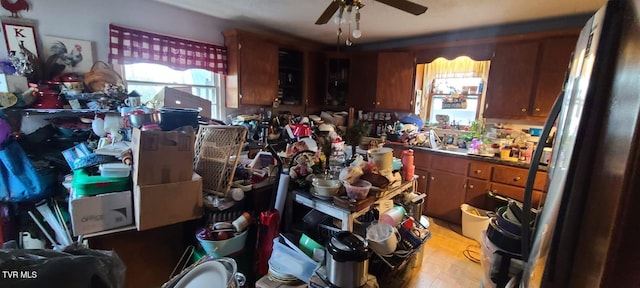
(403, 5)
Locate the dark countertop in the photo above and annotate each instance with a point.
(461, 153)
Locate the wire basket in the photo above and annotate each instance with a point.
(217, 151)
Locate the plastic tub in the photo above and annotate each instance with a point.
(114, 170)
(473, 223)
(224, 247)
(358, 190)
(296, 264)
(87, 185)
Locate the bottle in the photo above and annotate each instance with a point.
(408, 168)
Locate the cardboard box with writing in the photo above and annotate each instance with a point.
(166, 204)
(101, 212)
(161, 157)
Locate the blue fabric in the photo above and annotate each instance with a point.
(19, 180)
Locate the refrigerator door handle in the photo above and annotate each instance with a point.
(531, 177)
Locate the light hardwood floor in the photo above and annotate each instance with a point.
(444, 264)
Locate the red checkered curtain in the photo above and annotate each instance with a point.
(129, 46)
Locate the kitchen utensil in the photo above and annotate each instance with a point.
(347, 260)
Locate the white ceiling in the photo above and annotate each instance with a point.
(381, 22)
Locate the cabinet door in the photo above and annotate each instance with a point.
(395, 81)
(362, 79)
(476, 194)
(510, 80)
(423, 183)
(445, 194)
(556, 54)
(258, 71)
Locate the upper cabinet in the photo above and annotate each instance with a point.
(265, 68)
(252, 77)
(556, 54)
(526, 77)
(382, 81)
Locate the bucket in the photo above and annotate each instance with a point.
(224, 247)
(474, 221)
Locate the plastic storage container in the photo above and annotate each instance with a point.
(114, 170)
(224, 247)
(358, 190)
(474, 221)
(296, 264)
(87, 185)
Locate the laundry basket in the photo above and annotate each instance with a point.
(474, 221)
(217, 151)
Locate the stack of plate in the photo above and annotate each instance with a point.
(280, 276)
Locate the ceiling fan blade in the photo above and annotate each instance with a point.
(328, 13)
(406, 6)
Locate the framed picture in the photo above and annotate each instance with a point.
(20, 33)
(75, 55)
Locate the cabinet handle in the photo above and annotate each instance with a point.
(524, 109)
(478, 171)
(423, 177)
(537, 109)
(516, 179)
(464, 186)
(374, 103)
(433, 178)
(470, 186)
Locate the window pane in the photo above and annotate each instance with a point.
(462, 116)
(158, 73)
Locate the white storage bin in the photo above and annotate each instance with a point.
(114, 170)
(472, 224)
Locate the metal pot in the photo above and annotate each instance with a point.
(347, 260)
(173, 118)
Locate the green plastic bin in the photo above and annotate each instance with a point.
(87, 185)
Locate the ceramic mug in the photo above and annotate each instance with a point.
(133, 102)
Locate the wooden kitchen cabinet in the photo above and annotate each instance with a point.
(252, 77)
(526, 77)
(382, 81)
(423, 180)
(446, 192)
(554, 62)
(511, 79)
(517, 193)
(518, 177)
(476, 194)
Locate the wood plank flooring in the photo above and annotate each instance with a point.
(444, 264)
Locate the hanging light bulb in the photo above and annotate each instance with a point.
(338, 19)
(356, 32)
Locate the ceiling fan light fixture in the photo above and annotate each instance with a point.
(338, 19)
(356, 32)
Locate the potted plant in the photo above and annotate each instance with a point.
(354, 134)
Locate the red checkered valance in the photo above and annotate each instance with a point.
(128, 46)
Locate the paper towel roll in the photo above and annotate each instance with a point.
(283, 187)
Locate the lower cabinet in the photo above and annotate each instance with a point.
(423, 183)
(517, 193)
(446, 192)
(476, 194)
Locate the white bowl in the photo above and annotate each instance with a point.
(326, 187)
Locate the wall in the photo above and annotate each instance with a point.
(90, 19)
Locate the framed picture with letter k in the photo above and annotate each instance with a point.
(20, 35)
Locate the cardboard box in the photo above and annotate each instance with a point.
(161, 157)
(166, 204)
(101, 212)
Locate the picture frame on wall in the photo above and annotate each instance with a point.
(68, 55)
(20, 32)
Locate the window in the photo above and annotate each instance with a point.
(148, 79)
(454, 88)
